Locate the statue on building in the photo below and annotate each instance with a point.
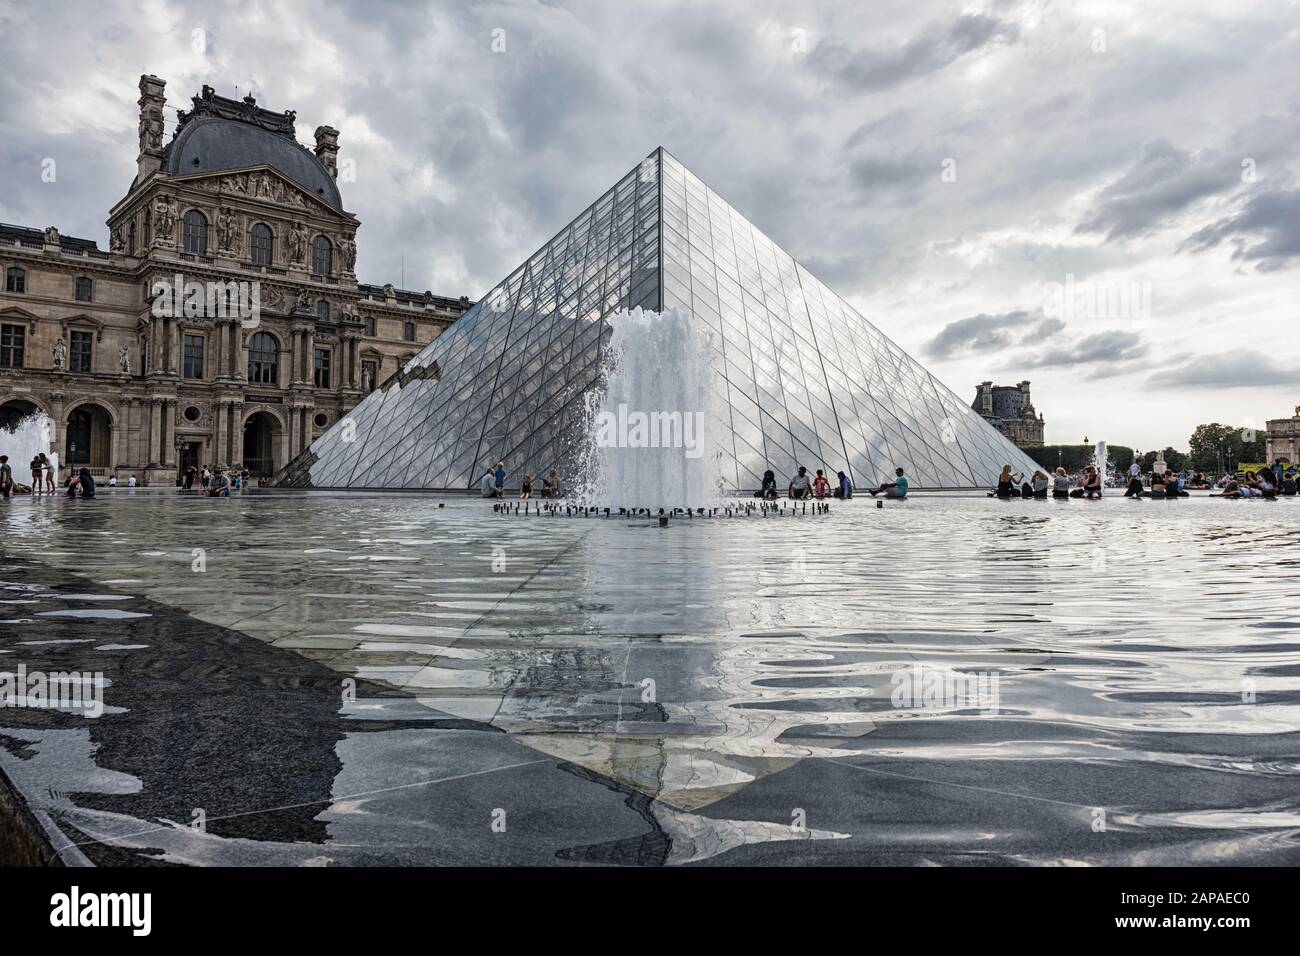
(60, 352)
(164, 212)
(115, 241)
(51, 236)
(227, 230)
(298, 244)
(124, 360)
(348, 249)
(304, 302)
(389, 292)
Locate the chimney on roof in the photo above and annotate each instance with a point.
(151, 103)
(327, 148)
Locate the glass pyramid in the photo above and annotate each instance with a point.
(808, 380)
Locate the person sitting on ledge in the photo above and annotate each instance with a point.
(1157, 485)
(1289, 482)
(845, 490)
(82, 480)
(219, 486)
(801, 484)
(487, 488)
(768, 490)
(526, 486)
(1091, 482)
(1061, 485)
(820, 485)
(1007, 482)
(551, 484)
(893, 489)
(1038, 483)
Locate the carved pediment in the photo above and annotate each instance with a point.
(262, 184)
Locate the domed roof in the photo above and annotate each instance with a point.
(221, 133)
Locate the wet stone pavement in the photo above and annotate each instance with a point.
(376, 680)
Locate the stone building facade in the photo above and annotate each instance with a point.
(232, 201)
(1283, 439)
(1009, 409)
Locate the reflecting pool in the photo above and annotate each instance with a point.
(343, 679)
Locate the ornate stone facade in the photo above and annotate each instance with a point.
(1283, 439)
(232, 198)
(1008, 409)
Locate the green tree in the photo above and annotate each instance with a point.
(1219, 448)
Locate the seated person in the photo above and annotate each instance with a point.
(551, 484)
(1289, 483)
(1007, 482)
(219, 487)
(1039, 483)
(1060, 484)
(487, 486)
(1157, 485)
(1091, 483)
(820, 485)
(801, 484)
(893, 489)
(526, 487)
(845, 489)
(82, 480)
(768, 491)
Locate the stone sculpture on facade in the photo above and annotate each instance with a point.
(124, 360)
(60, 352)
(298, 245)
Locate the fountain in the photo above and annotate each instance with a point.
(651, 435)
(1100, 461)
(29, 437)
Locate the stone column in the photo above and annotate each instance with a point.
(155, 343)
(308, 355)
(155, 405)
(168, 432)
(236, 439)
(354, 368)
(218, 433)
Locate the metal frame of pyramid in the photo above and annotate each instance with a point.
(808, 380)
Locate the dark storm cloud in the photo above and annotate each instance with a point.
(979, 333)
(987, 333)
(935, 47)
(1234, 368)
(1162, 183)
(1111, 347)
(1264, 231)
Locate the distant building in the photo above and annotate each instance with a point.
(1008, 409)
(1283, 438)
(232, 201)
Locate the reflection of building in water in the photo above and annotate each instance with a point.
(1283, 437)
(1008, 409)
(233, 197)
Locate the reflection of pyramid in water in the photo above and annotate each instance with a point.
(808, 381)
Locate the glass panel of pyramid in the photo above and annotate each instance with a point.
(807, 379)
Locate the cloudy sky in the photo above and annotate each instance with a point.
(1100, 197)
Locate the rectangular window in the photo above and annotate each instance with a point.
(408, 331)
(369, 324)
(321, 368)
(369, 375)
(12, 340)
(194, 356)
(80, 359)
(83, 289)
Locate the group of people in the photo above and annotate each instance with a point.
(493, 483)
(1042, 485)
(215, 482)
(1264, 483)
(44, 474)
(803, 486)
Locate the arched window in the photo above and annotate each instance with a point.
(130, 239)
(195, 234)
(15, 279)
(263, 244)
(321, 254)
(323, 310)
(263, 359)
(83, 288)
